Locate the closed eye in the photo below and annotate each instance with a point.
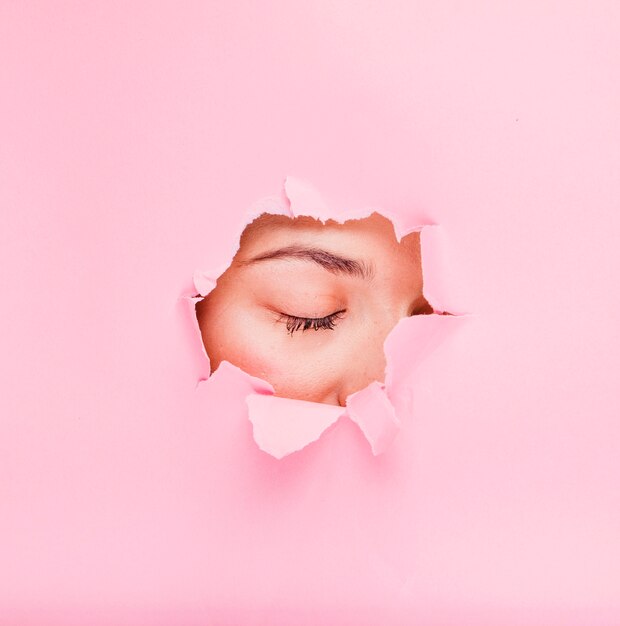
(295, 323)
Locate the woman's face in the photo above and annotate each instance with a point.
(307, 306)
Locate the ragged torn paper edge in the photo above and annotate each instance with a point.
(282, 426)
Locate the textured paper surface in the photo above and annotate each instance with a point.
(134, 137)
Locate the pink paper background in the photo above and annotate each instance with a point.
(133, 137)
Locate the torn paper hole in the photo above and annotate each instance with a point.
(306, 306)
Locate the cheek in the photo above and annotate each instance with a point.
(231, 335)
(310, 366)
(268, 352)
(282, 361)
(305, 366)
(246, 338)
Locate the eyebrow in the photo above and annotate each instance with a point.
(333, 263)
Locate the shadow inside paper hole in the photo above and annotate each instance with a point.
(307, 305)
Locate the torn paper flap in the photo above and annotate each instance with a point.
(282, 426)
(306, 200)
(373, 412)
(232, 374)
(409, 342)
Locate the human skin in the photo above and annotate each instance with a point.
(307, 306)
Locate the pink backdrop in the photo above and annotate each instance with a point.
(134, 136)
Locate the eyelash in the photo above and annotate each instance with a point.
(294, 323)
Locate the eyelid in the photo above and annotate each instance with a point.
(295, 323)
